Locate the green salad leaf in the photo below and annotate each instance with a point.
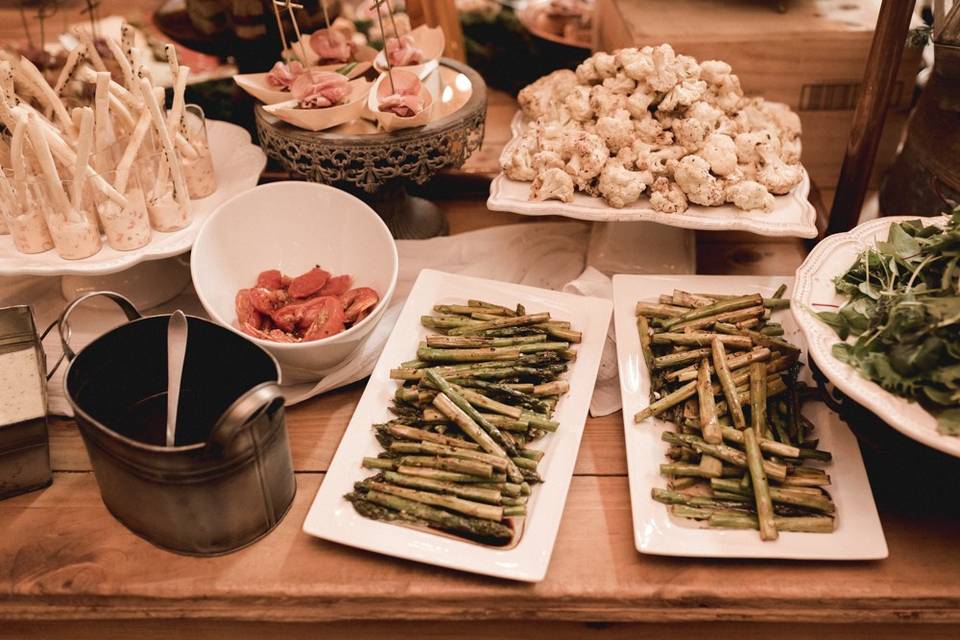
(901, 322)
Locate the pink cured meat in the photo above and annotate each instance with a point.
(320, 89)
(403, 106)
(337, 285)
(403, 51)
(331, 45)
(309, 283)
(282, 75)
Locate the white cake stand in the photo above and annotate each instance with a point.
(152, 274)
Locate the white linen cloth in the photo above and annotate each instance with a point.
(547, 255)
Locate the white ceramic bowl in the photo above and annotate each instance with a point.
(293, 226)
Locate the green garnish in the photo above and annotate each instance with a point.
(904, 311)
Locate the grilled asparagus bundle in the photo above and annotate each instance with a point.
(743, 455)
(457, 454)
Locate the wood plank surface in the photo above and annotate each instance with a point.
(70, 559)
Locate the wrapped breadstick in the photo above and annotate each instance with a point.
(74, 59)
(24, 216)
(104, 134)
(73, 235)
(195, 150)
(50, 98)
(128, 227)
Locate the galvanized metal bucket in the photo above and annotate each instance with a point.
(229, 478)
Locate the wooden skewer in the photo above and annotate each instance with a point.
(84, 146)
(393, 87)
(280, 29)
(326, 14)
(296, 28)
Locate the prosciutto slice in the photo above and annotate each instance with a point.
(331, 45)
(320, 89)
(401, 105)
(403, 51)
(282, 75)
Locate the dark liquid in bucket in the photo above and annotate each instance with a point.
(146, 420)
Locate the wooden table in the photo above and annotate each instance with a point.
(69, 570)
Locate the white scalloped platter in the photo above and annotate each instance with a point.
(793, 215)
(237, 163)
(814, 291)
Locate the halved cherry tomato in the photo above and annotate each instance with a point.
(309, 283)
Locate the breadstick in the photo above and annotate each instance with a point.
(9, 96)
(84, 145)
(119, 93)
(125, 69)
(130, 153)
(92, 53)
(48, 169)
(105, 134)
(50, 97)
(16, 159)
(127, 41)
(179, 184)
(172, 59)
(74, 58)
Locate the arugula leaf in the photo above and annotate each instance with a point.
(903, 308)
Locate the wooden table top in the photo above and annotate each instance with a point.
(63, 557)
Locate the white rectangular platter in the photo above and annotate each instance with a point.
(792, 216)
(859, 535)
(333, 518)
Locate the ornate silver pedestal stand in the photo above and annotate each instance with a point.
(376, 165)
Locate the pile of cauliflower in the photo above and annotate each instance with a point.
(650, 121)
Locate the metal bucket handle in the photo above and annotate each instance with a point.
(63, 322)
(263, 397)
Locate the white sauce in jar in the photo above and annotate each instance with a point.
(128, 228)
(198, 173)
(21, 387)
(30, 233)
(75, 239)
(166, 214)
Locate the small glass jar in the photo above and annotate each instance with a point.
(197, 160)
(24, 215)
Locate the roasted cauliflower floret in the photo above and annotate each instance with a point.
(638, 102)
(552, 184)
(690, 133)
(605, 102)
(587, 72)
(650, 130)
(667, 197)
(620, 83)
(778, 176)
(620, 186)
(683, 95)
(616, 130)
(544, 97)
(753, 146)
(692, 174)
(547, 160)
(636, 63)
(606, 65)
(720, 152)
(723, 87)
(518, 164)
(661, 161)
(665, 74)
(705, 112)
(577, 103)
(587, 154)
(749, 195)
